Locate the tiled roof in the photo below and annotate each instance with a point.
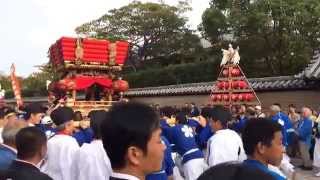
(258, 84)
(312, 70)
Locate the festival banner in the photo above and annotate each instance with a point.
(16, 86)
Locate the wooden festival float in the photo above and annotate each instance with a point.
(232, 87)
(90, 67)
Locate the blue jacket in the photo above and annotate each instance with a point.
(182, 136)
(83, 136)
(6, 157)
(167, 164)
(258, 165)
(287, 128)
(202, 134)
(238, 127)
(305, 130)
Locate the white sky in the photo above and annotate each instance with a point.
(29, 27)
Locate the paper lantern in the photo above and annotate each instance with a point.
(235, 84)
(120, 85)
(235, 72)
(218, 97)
(234, 97)
(213, 97)
(241, 97)
(226, 84)
(242, 84)
(220, 84)
(225, 72)
(249, 97)
(226, 97)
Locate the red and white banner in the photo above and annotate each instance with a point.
(16, 86)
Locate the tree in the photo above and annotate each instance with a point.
(156, 31)
(279, 34)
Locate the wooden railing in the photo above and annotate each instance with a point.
(86, 106)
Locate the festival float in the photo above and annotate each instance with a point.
(232, 87)
(87, 72)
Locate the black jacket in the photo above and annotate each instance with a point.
(23, 171)
(114, 178)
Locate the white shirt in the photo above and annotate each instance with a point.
(1, 129)
(61, 150)
(224, 146)
(124, 176)
(91, 162)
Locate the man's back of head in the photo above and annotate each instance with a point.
(31, 144)
(131, 138)
(62, 117)
(34, 113)
(220, 117)
(96, 119)
(233, 171)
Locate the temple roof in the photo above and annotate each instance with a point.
(312, 71)
(258, 84)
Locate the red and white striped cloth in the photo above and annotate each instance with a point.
(16, 86)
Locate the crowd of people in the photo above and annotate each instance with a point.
(137, 141)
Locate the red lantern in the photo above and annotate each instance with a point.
(249, 96)
(235, 72)
(225, 72)
(226, 85)
(234, 97)
(241, 97)
(220, 85)
(242, 84)
(213, 97)
(218, 97)
(226, 97)
(235, 84)
(120, 85)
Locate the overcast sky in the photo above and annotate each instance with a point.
(29, 27)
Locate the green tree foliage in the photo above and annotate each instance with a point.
(33, 85)
(156, 31)
(278, 35)
(202, 71)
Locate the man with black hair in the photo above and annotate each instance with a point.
(201, 127)
(233, 171)
(34, 114)
(166, 114)
(262, 140)
(183, 138)
(166, 172)
(131, 138)
(91, 161)
(31, 145)
(225, 145)
(194, 112)
(61, 146)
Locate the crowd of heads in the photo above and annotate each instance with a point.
(131, 132)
